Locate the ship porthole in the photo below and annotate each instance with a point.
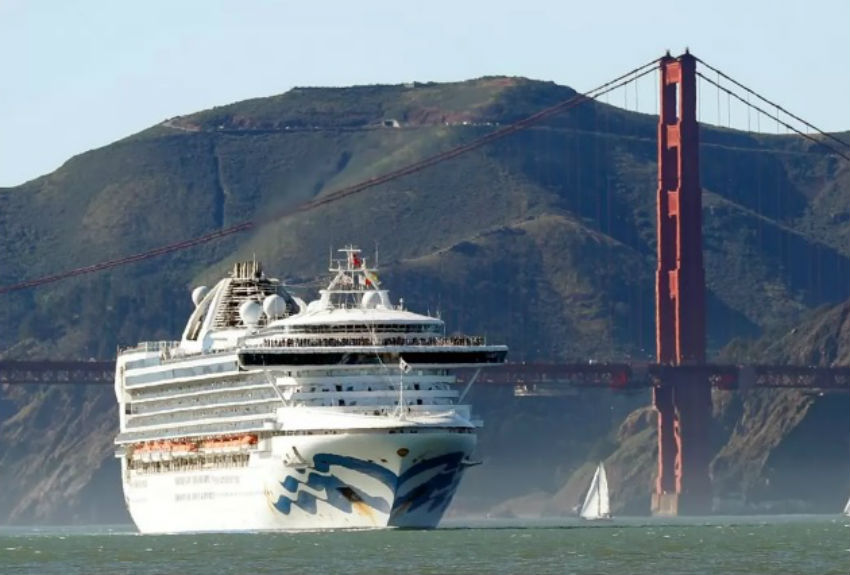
(403, 451)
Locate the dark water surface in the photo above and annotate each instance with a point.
(786, 544)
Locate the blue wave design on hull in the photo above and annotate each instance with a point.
(332, 487)
(433, 496)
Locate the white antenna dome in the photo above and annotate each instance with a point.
(250, 312)
(198, 294)
(274, 306)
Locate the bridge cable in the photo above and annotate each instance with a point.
(766, 100)
(412, 168)
(775, 117)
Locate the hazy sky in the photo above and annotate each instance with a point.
(79, 74)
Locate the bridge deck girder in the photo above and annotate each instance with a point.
(621, 376)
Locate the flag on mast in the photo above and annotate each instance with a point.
(403, 365)
(371, 278)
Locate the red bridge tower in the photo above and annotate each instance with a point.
(683, 400)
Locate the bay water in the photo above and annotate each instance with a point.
(765, 544)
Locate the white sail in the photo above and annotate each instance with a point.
(596, 503)
(847, 508)
(604, 502)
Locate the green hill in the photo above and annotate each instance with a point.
(543, 240)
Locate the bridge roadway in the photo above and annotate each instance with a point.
(527, 376)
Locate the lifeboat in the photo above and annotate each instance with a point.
(182, 448)
(248, 439)
(163, 450)
(229, 444)
(141, 452)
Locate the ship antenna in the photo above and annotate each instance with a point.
(376, 254)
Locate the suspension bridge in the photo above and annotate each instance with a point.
(680, 378)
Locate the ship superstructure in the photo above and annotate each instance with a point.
(274, 414)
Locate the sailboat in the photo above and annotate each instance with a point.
(847, 508)
(596, 503)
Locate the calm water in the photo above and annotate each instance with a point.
(798, 544)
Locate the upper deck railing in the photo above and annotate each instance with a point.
(598, 375)
(150, 346)
(301, 342)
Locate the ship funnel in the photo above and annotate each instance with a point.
(247, 270)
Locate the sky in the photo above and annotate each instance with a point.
(78, 75)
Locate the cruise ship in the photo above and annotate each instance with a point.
(273, 414)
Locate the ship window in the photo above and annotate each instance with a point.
(416, 386)
(341, 402)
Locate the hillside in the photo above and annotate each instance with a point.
(544, 240)
(770, 452)
(795, 442)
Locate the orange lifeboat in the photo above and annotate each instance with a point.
(183, 447)
(229, 443)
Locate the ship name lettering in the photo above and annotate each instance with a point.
(195, 496)
(192, 480)
(226, 479)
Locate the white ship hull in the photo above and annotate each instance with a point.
(371, 479)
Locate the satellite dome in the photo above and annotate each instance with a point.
(274, 306)
(250, 312)
(198, 294)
